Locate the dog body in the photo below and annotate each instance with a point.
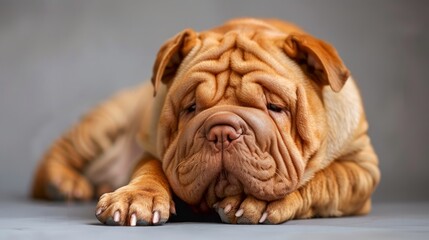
(254, 118)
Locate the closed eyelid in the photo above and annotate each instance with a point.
(283, 102)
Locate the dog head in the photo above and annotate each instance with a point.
(244, 110)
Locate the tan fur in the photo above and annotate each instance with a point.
(315, 156)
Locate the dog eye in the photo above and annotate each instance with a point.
(191, 108)
(274, 108)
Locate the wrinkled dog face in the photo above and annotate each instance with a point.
(240, 117)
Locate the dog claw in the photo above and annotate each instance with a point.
(173, 209)
(155, 219)
(239, 213)
(133, 220)
(227, 209)
(99, 211)
(116, 216)
(263, 217)
(223, 217)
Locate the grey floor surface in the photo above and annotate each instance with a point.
(26, 219)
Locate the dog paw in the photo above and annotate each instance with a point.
(133, 206)
(285, 209)
(64, 183)
(250, 210)
(235, 209)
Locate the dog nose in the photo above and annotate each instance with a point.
(223, 128)
(222, 135)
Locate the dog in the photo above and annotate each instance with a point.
(255, 119)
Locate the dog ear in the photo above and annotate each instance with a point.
(171, 55)
(318, 59)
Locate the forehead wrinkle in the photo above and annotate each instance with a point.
(215, 49)
(211, 91)
(209, 46)
(276, 84)
(183, 88)
(262, 54)
(213, 66)
(244, 63)
(250, 93)
(248, 54)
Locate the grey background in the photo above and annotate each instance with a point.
(59, 58)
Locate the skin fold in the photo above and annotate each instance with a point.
(256, 119)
